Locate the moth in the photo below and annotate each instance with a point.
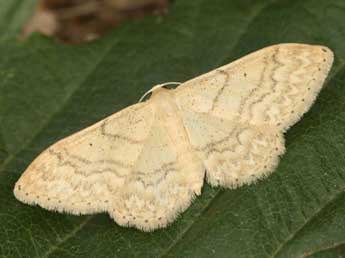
(146, 163)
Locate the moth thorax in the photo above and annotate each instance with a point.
(160, 92)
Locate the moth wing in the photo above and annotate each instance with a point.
(257, 97)
(274, 86)
(124, 165)
(233, 153)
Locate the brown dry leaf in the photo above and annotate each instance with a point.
(77, 21)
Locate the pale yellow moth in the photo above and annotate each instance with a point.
(145, 164)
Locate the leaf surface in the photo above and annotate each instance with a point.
(48, 91)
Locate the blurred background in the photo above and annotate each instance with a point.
(77, 21)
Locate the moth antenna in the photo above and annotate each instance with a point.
(157, 87)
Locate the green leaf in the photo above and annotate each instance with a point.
(48, 91)
(13, 13)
